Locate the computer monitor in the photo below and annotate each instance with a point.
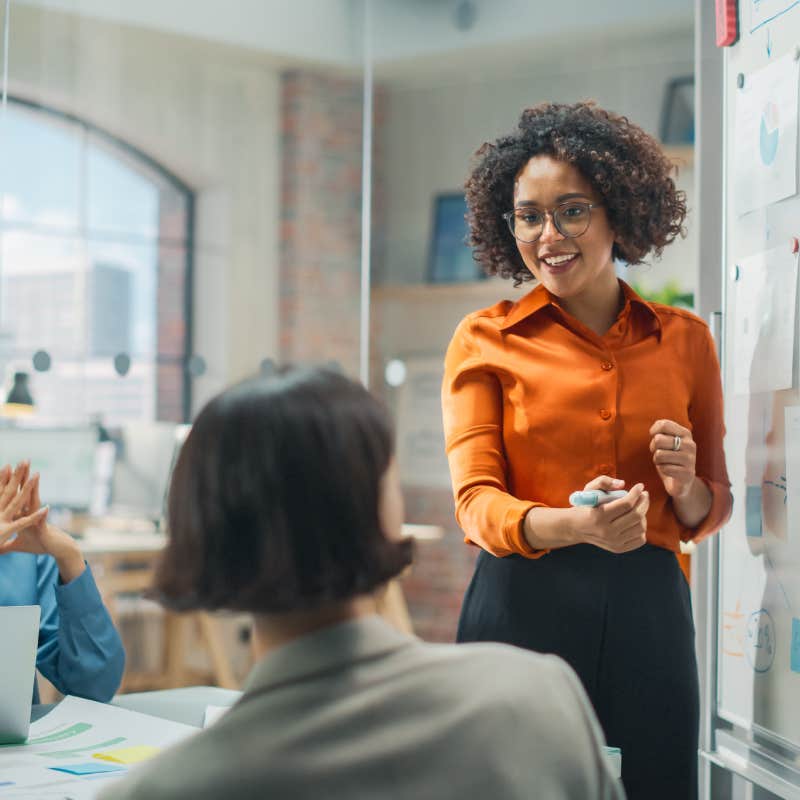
(144, 460)
(181, 432)
(63, 456)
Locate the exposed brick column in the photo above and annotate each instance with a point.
(170, 303)
(321, 219)
(320, 290)
(434, 586)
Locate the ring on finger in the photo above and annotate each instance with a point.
(676, 443)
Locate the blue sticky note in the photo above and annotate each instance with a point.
(90, 768)
(752, 511)
(795, 648)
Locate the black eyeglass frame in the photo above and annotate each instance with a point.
(509, 215)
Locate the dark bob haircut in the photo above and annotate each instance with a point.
(274, 500)
(625, 166)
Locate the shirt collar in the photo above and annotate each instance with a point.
(324, 650)
(539, 298)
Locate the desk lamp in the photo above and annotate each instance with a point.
(19, 401)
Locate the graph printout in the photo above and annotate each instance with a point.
(763, 324)
(764, 11)
(765, 149)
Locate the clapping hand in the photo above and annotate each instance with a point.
(24, 527)
(20, 509)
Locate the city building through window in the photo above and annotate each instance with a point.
(95, 269)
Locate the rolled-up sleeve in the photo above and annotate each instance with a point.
(708, 430)
(472, 413)
(80, 651)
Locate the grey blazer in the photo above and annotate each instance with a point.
(358, 710)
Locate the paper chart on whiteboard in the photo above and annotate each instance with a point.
(763, 328)
(792, 444)
(765, 11)
(766, 136)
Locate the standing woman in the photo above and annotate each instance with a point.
(582, 384)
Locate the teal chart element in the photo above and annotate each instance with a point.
(752, 504)
(770, 133)
(795, 649)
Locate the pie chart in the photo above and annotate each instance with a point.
(770, 127)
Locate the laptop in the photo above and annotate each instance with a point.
(20, 627)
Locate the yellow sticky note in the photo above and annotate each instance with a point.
(128, 755)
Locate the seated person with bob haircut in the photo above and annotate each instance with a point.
(285, 502)
(79, 650)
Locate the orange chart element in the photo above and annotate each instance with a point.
(733, 631)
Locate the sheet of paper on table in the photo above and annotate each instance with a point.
(72, 737)
(213, 713)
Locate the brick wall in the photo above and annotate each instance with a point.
(320, 286)
(320, 219)
(170, 307)
(436, 582)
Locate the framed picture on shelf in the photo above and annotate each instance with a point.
(677, 112)
(449, 257)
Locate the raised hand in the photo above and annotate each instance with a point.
(17, 509)
(27, 529)
(674, 455)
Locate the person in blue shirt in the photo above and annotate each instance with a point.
(79, 651)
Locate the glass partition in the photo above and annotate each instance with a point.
(191, 183)
(448, 77)
(84, 220)
(182, 201)
(181, 204)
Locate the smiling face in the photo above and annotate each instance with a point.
(570, 268)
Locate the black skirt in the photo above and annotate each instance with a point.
(624, 623)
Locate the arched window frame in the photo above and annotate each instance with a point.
(187, 242)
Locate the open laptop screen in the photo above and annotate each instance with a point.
(20, 626)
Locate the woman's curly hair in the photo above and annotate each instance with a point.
(625, 166)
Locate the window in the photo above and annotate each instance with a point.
(95, 249)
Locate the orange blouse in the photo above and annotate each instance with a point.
(536, 405)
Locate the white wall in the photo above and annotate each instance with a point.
(406, 29)
(435, 122)
(330, 31)
(317, 30)
(210, 114)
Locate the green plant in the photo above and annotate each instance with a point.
(670, 294)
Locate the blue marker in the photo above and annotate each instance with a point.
(594, 497)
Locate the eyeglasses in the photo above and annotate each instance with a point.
(571, 219)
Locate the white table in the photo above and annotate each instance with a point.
(102, 541)
(187, 705)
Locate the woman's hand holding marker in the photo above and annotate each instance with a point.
(618, 523)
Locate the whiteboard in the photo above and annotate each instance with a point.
(758, 643)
